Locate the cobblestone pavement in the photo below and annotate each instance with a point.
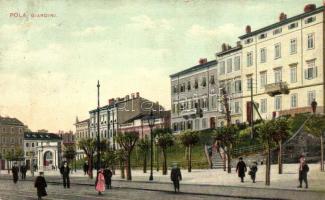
(24, 190)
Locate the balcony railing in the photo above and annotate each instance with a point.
(277, 88)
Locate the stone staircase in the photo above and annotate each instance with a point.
(217, 160)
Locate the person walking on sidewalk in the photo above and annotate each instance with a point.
(100, 182)
(15, 170)
(86, 168)
(176, 176)
(65, 172)
(303, 170)
(241, 169)
(108, 178)
(23, 170)
(40, 184)
(252, 172)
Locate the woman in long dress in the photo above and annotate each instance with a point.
(100, 182)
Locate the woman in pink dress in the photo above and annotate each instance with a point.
(100, 182)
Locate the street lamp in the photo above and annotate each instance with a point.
(98, 138)
(313, 106)
(151, 122)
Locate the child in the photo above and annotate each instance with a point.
(40, 184)
(253, 170)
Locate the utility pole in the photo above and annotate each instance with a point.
(252, 109)
(98, 129)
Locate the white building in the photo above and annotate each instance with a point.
(42, 149)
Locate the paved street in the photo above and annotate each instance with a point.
(25, 190)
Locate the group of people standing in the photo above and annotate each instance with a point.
(16, 170)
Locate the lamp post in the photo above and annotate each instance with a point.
(151, 123)
(314, 106)
(98, 138)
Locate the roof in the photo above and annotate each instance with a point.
(194, 68)
(10, 121)
(102, 108)
(283, 22)
(229, 51)
(41, 136)
(145, 116)
(83, 121)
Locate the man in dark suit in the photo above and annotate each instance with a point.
(303, 170)
(241, 169)
(65, 172)
(176, 176)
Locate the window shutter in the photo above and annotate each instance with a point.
(306, 74)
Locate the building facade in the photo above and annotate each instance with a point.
(82, 131)
(285, 63)
(194, 91)
(11, 138)
(43, 150)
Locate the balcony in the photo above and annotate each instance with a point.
(277, 88)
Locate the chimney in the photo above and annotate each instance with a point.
(223, 47)
(238, 44)
(309, 7)
(203, 60)
(248, 29)
(110, 101)
(132, 95)
(282, 17)
(127, 97)
(228, 47)
(137, 95)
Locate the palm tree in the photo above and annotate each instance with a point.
(226, 135)
(316, 126)
(265, 132)
(281, 134)
(88, 145)
(164, 141)
(144, 146)
(189, 139)
(127, 141)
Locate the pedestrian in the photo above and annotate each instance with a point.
(15, 170)
(65, 172)
(100, 182)
(241, 169)
(108, 178)
(303, 170)
(23, 171)
(40, 184)
(86, 168)
(253, 170)
(176, 176)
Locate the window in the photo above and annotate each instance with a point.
(197, 124)
(277, 75)
(263, 79)
(27, 144)
(229, 65)
(222, 68)
(293, 25)
(249, 40)
(310, 41)
(249, 59)
(311, 71)
(293, 46)
(263, 55)
(262, 36)
(278, 103)
(293, 74)
(263, 105)
(311, 96)
(212, 82)
(237, 63)
(204, 81)
(174, 90)
(277, 49)
(204, 123)
(249, 82)
(277, 31)
(310, 20)
(228, 87)
(189, 85)
(237, 107)
(183, 87)
(294, 98)
(237, 86)
(196, 84)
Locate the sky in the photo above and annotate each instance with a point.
(49, 66)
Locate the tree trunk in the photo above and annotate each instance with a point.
(229, 160)
(122, 169)
(145, 163)
(8, 167)
(157, 157)
(224, 161)
(321, 154)
(189, 158)
(129, 176)
(165, 162)
(90, 169)
(268, 166)
(280, 157)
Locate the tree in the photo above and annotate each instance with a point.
(281, 133)
(88, 145)
(315, 125)
(121, 157)
(164, 141)
(265, 133)
(69, 152)
(226, 136)
(189, 139)
(9, 156)
(127, 141)
(144, 146)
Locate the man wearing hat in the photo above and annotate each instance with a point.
(176, 176)
(40, 184)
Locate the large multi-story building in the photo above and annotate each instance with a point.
(194, 91)
(284, 63)
(82, 131)
(11, 138)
